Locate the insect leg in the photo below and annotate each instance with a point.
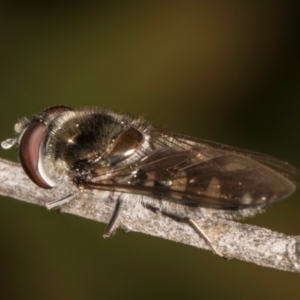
(194, 225)
(199, 230)
(113, 224)
(59, 202)
(151, 207)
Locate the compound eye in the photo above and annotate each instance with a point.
(29, 152)
(29, 147)
(50, 113)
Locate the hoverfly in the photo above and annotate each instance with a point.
(179, 176)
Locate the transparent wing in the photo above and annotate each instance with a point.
(286, 169)
(201, 173)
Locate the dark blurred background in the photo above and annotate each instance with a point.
(226, 71)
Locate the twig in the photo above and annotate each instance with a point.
(245, 242)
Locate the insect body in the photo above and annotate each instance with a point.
(179, 176)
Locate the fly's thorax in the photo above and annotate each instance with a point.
(78, 143)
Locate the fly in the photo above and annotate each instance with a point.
(178, 176)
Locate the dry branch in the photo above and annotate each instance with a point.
(245, 242)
